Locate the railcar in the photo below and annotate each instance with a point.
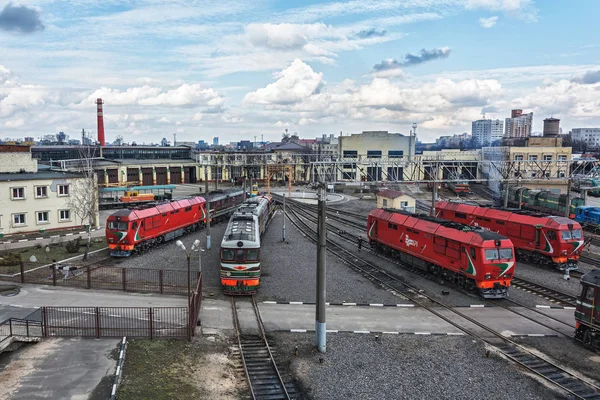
(587, 311)
(471, 257)
(240, 268)
(134, 230)
(543, 201)
(460, 187)
(538, 238)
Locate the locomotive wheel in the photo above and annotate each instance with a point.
(587, 338)
(160, 239)
(461, 281)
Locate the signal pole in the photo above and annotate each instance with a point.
(568, 199)
(320, 326)
(505, 193)
(205, 179)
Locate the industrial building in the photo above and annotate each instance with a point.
(378, 148)
(35, 198)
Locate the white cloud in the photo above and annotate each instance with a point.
(294, 84)
(488, 22)
(15, 123)
(164, 120)
(523, 9)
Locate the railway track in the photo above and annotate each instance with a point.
(553, 295)
(576, 386)
(263, 376)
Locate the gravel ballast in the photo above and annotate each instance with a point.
(404, 367)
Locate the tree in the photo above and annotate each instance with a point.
(83, 195)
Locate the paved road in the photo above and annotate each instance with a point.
(216, 316)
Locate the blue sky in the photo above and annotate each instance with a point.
(236, 69)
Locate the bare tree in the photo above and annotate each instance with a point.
(83, 195)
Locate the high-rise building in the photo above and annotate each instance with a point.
(487, 131)
(518, 125)
(216, 141)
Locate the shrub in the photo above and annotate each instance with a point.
(73, 246)
(9, 258)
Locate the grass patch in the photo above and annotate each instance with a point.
(57, 252)
(158, 369)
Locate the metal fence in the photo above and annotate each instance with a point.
(20, 328)
(99, 322)
(162, 281)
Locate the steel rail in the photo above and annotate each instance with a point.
(548, 370)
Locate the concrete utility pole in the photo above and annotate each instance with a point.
(506, 193)
(205, 179)
(283, 233)
(434, 191)
(568, 199)
(208, 242)
(320, 326)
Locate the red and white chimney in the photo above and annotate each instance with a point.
(100, 123)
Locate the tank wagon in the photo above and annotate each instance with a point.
(587, 312)
(240, 268)
(472, 258)
(538, 238)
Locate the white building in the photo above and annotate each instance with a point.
(487, 131)
(376, 147)
(591, 136)
(518, 125)
(35, 199)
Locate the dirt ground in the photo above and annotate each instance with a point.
(180, 370)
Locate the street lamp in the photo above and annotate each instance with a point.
(188, 255)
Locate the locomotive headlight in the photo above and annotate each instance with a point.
(228, 273)
(564, 253)
(488, 276)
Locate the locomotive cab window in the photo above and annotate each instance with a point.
(252, 254)
(473, 254)
(577, 234)
(589, 294)
(551, 235)
(227, 254)
(119, 226)
(498, 254)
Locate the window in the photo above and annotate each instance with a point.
(63, 190)
(404, 204)
(551, 235)
(395, 153)
(385, 202)
(577, 234)
(562, 157)
(373, 153)
(18, 219)
(64, 215)
(533, 158)
(350, 153)
(42, 217)
(18, 193)
(548, 157)
(227, 254)
(119, 226)
(518, 157)
(561, 174)
(589, 294)
(252, 254)
(460, 215)
(41, 192)
(498, 254)
(473, 254)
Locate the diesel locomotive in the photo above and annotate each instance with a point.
(587, 312)
(539, 239)
(240, 268)
(137, 229)
(472, 258)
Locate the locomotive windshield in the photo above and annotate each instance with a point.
(574, 234)
(119, 226)
(238, 255)
(498, 254)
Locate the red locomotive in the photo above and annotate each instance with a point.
(473, 258)
(135, 230)
(539, 239)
